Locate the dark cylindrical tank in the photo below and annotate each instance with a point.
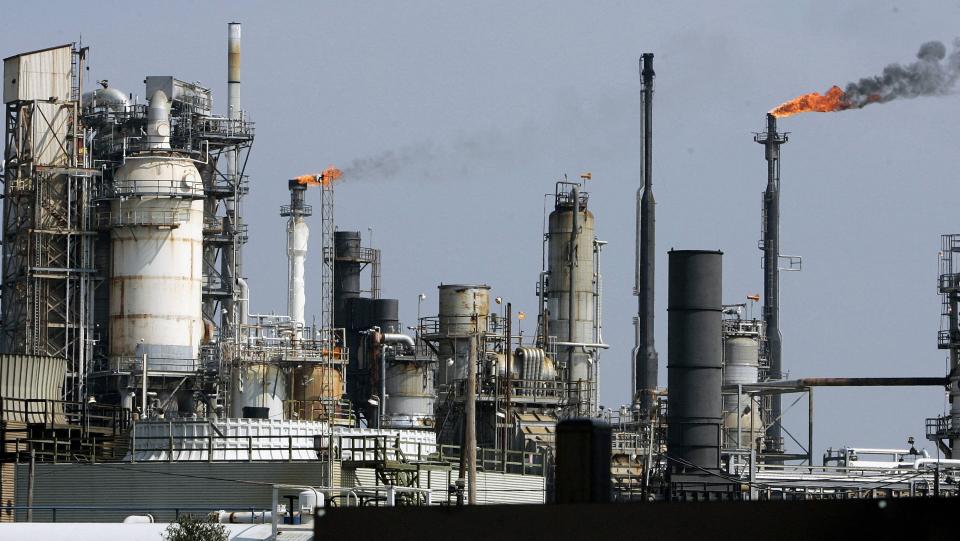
(695, 358)
(385, 313)
(358, 314)
(346, 273)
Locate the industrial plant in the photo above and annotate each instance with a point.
(131, 356)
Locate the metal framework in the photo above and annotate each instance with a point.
(329, 257)
(945, 430)
(48, 234)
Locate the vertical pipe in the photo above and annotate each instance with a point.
(810, 427)
(509, 390)
(646, 360)
(383, 385)
(572, 301)
(31, 482)
(143, 388)
(772, 140)
(470, 426)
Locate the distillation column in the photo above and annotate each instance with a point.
(156, 237)
(571, 294)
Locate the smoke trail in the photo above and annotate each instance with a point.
(929, 75)
(391, 162)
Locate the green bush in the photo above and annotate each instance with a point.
(192, 528)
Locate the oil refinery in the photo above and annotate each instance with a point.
(134, 364)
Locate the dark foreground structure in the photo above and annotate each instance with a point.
(853, 519)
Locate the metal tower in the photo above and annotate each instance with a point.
(48, 274)
(645, 359)
(770, 245)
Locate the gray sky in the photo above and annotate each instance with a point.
(489, 106)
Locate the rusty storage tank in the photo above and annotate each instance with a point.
(464, 311)
(316, 388)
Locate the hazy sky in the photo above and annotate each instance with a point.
(484, 108)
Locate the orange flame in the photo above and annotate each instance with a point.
(834, 100)
(320, 179)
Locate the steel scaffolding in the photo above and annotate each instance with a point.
(48, 234)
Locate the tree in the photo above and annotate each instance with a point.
(193, 528)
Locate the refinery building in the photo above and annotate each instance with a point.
(134, 365)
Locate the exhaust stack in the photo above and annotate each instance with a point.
(298, 235)
(770, 244)
(645, 353)
(231, 262)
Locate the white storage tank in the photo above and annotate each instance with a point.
(741, 365)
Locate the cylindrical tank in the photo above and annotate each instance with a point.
(464, 311)
(358, 319)
(385, 313)
(156, 273)
(315, 387)
(258, 385)
(411, 395)
(741, 365)
(346, 274)
(581, 373)
(694, 366)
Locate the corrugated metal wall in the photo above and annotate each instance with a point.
(38, 75)
(218, 485)
(492, 487)
(30, 377)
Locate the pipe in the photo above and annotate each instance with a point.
(572, 306)
(646, 360)
(244, 300)
(936, 461)
(245, 517)
(389, 337)
(586, 345)
(158, 122)
(802, 383)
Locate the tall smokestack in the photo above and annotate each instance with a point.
(298, 237)
(645, 353)
(233, 70)
(770, 244)
(230, 263)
